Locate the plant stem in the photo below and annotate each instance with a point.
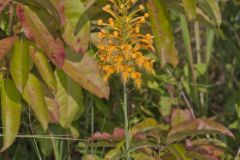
(125, 111)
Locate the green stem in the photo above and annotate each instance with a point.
(125, 111)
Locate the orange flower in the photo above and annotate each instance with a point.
(121, 53)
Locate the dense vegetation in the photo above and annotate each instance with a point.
(120, 79)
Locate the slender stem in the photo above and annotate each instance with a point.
(125, 111)
(238, 154)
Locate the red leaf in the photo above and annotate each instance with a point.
(5, 46)
(34, 29)
(118, 133)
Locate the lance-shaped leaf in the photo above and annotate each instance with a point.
(59, 5)
(11, 112)
(35, 29)
(86, 72)
(34, 96)
(190, 8)
(75, 12)
(20, 64)
(44, 68)
(5, 46)
(51, 102)
(200, 14)
(164, 40)
(69, 97)
(196, 127)
(211, 7)
(3, 4)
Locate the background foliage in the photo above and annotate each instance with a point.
(55, 105)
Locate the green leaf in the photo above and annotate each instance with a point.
(75, 12)
(86, 72)
(34, 96)
(69, 97)
(45, 144)
(201, 16)
(190, 8)
(113, 154)
(146, 125)
(178, 151)
(161, 28)
(196, 127)
(11, 112)
(20, 64)
(35, 29)
(211, 7)
(44, 68)
(5, 46)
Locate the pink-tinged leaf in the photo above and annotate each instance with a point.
(196, 127)
(59, 5)
(86, 72)
(74, 12)
(52, 105)
(35, 29)
(117, 134)
(6, 45)
(179, 116)
(3, 4)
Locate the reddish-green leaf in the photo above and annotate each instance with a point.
(5, 46)
(11, 112)
(35, 29)
(44, 68)
(69, 97)
(179, 116)
(195, 127)
(74, 11)
(86, 72)
(20, 64)
(3, 4)
(34, 96)
(190, 8)
(161, 28)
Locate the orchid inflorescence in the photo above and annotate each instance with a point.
(121, 46)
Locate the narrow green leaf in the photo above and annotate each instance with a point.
(190, 8)
(5, 46)
(201, 16)
(44, 68)
(212, 8)
(75, 12)
(20, 64)
(34, 96)
(69, 97)
(161, 28)
(11, 112)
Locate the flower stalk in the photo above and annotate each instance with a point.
(121, 48)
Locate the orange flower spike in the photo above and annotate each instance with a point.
(121, 51)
